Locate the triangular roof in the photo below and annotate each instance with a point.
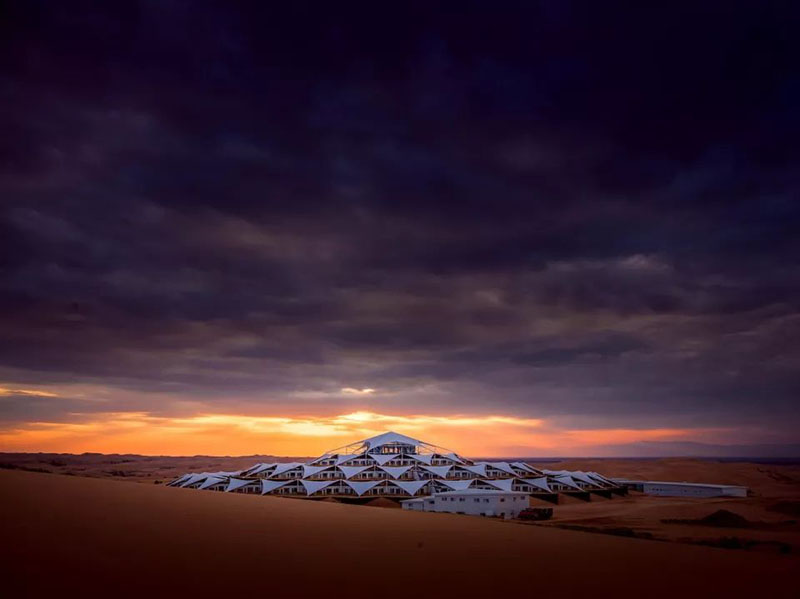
(194, 478)
(453, 456)
(351, 471)
(437, 470)
(312, 486)
(211, 481)
(565, 479)
(456, 485)
(479, 469)
(503, 484)
(601, 478)
(343, 457)
(382, 458)
(503, 466)
(312, 470)
(179, 480)
(235, 483)
(395, 471)
(425, 458)
(410, 486)
(258, 468)
(524, 466)
(271, 485)
(285, 467)
(583, 477)
(361, 487)
(540, 483)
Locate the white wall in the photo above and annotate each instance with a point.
(507, 505)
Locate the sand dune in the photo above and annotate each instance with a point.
(64, 534)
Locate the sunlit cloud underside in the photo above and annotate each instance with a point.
(226, 434)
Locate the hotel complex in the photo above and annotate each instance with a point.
(398, 467)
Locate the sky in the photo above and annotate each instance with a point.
(509, 228)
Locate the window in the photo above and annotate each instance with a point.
(476, 500)
(502, 499)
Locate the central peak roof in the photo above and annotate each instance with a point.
(396, 443)
(389, 437)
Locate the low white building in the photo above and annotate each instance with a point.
(683, 489)
(474, 502)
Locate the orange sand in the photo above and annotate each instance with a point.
(65, 534)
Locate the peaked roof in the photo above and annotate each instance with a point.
(457, 485)
(387, 438)
(312, 470)
(394, 471)
(541, 483)
(271, 485)
(437, 470)
(235, 483)
(361, 487)
(211, 481)
(504, 484)
(390, 437)
(312, 486)
(410, 486)
(285, 467)
(382, 458)
(351, 471)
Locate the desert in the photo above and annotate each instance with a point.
(101, 532)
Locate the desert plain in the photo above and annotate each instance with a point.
(99, 525)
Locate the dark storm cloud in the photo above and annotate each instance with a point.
(553, 208)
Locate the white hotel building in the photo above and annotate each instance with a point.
(398, 467)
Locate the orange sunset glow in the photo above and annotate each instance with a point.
(226, 434)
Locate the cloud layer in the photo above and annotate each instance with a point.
(557, 211)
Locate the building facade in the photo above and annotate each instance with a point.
(395, 466)
(473, 502)
(683, 489)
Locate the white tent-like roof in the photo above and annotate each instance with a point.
(390, 437)
(437, 470)
(258, 469)
(312, 470)
(270, 485)
(361, 487)
(479, 469)
(540, 483)
(502, 466)
(523, 466)
(194, 478)
(382, 458)
(410, 486)
(566, 480)
(601, 479)
(351, 471)
(395, 471)
(312, 486)
(236, 483)
(211, 481)
(179, 480)
(425, 458)
(583, 477)
(285, 467)
(457, 485)
(342, 458)
(504, 484)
